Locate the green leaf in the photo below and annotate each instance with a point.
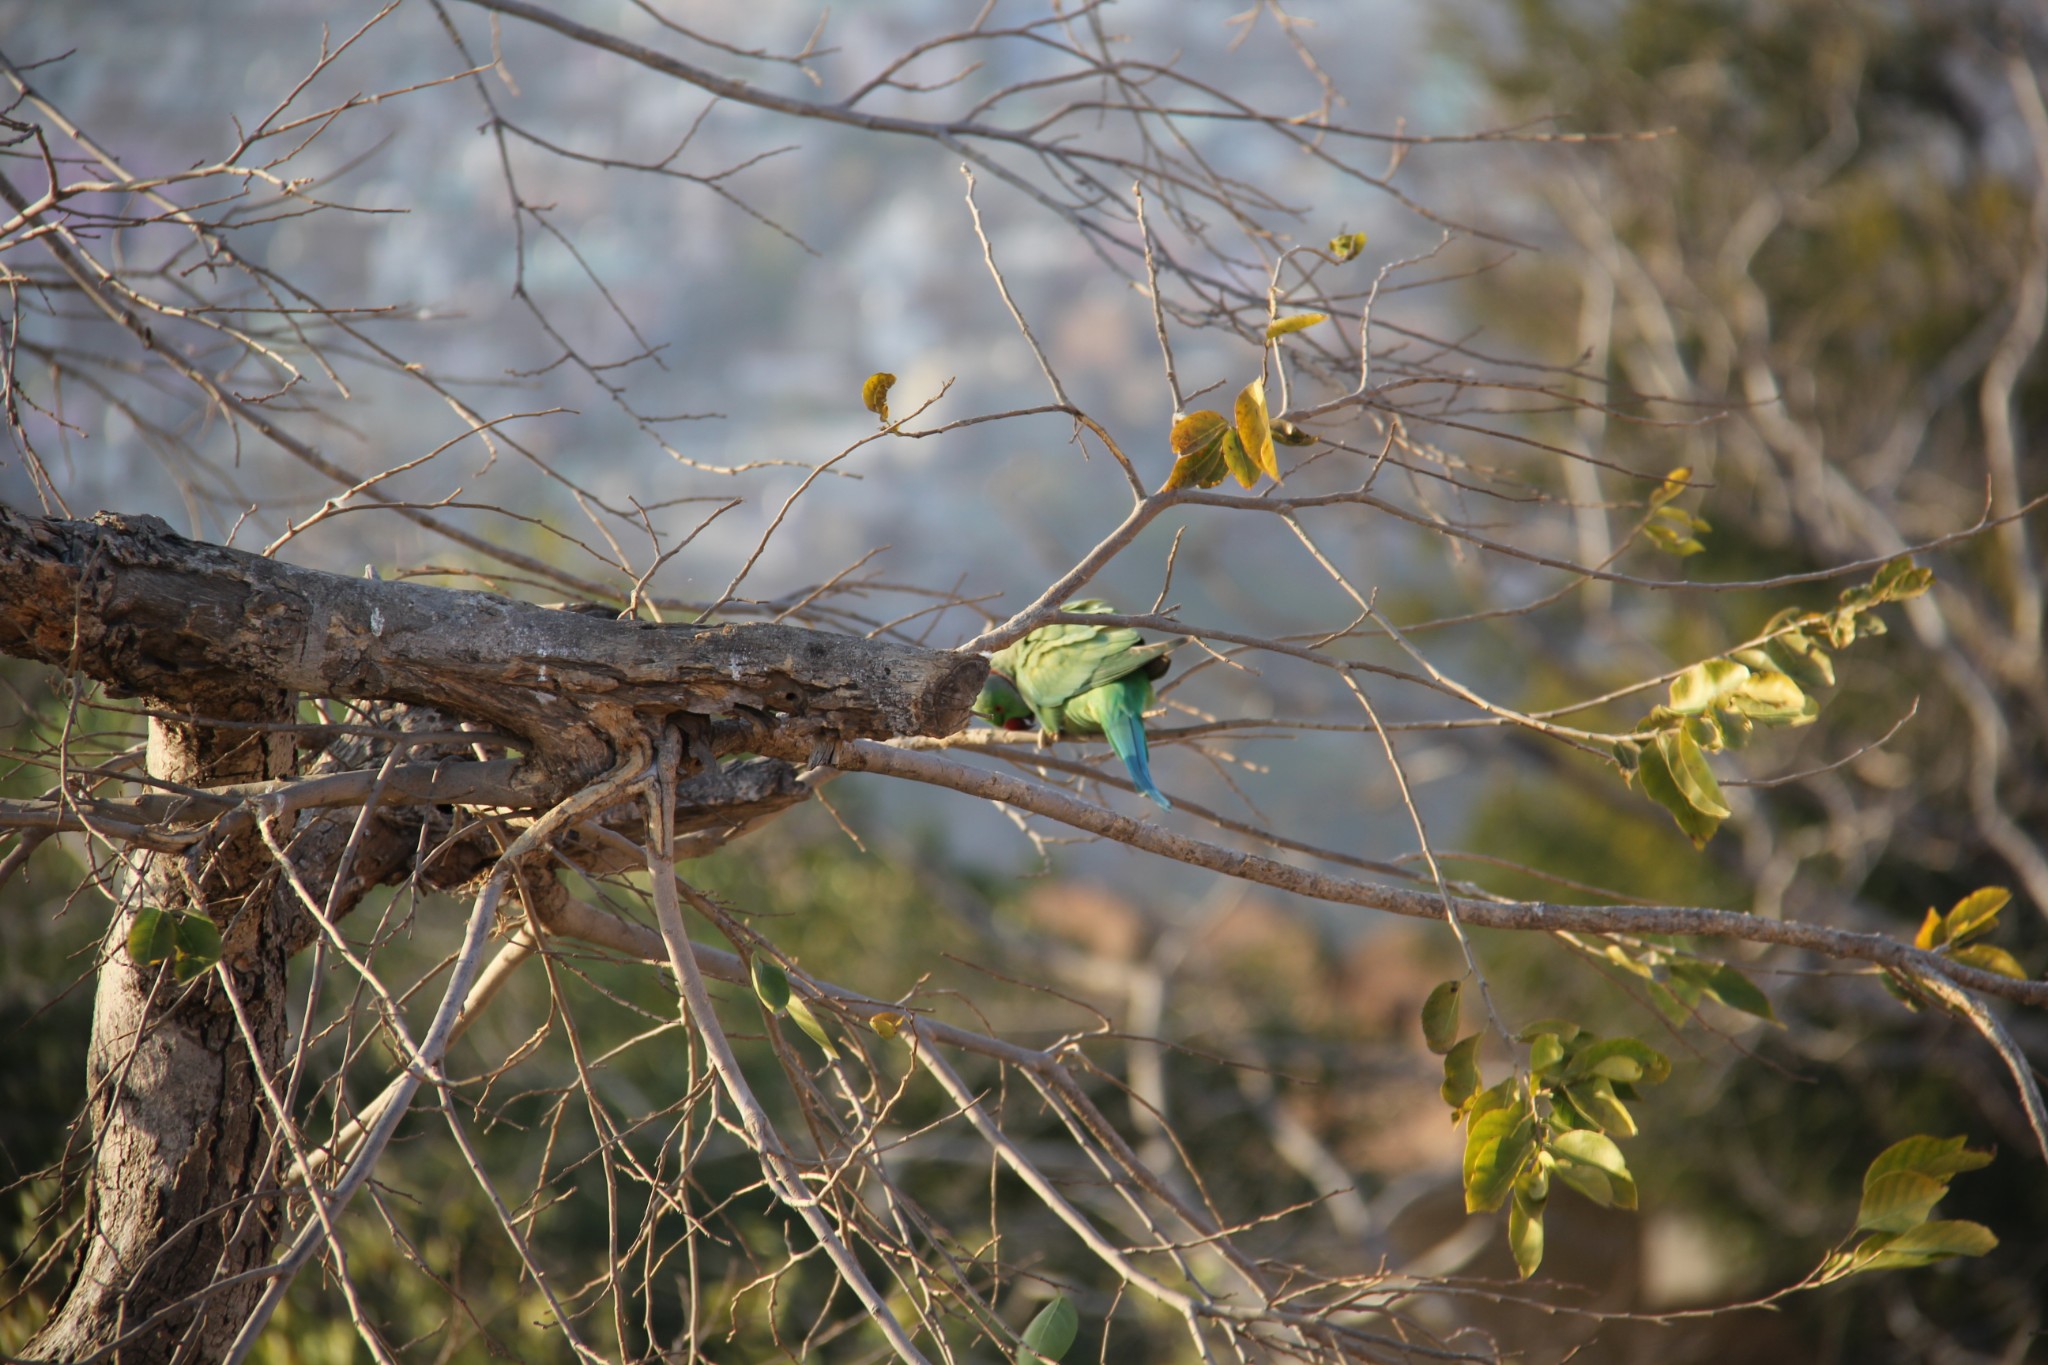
(197, 940)
(1727, 985)
(1976, 913)
(1661, 787)
(771, 984)
(1198, 440)
(1591, 1164)
(800, 1012)
(1299, 322)
(1985, 958)
(1771, 697)
(1796, 654)
(1050, 1333)
(1592, 1183)
(874, 394)
(1461, 1072)
(1566, 1030)
(1700, 686)
(1901, 579)
(1924, 1245)
(1255, 428)
(1545, 1052)
(1705, 731)
(153, 936)
(1440, 1016)
(1620, 1059)
(1346, 245)
(1238, 461)
(1689, 770)
(1498, 1144)
(1589, 1148)
(1596, 1100)
(1507, 1094)
(1525, 1236)
(1941, 1158)
(1898, 1200)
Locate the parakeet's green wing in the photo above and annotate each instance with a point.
(1055, 664)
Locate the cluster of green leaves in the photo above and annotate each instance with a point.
(1719, 704)
(1674, 528)
(189, 942)
(1952, 935)
(1900, 1191)
(1558, 1118)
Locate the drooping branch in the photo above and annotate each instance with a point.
(1541, 916)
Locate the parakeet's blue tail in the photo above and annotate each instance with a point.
(1123, 725)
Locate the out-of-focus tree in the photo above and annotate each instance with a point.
(362, 858)
(1837, 247)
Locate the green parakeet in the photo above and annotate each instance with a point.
(1094, 680)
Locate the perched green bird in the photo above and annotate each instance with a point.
(1085, 679)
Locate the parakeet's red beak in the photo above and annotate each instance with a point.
(1017, 724)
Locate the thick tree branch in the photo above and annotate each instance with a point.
(140, 608)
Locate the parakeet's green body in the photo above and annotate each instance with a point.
(1083, 680)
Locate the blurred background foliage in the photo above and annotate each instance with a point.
(1836, 211)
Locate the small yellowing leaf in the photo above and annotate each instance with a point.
(887, 1024)
(874, 394)
(1255, 429)
(1198, 440)
(1299, 322)
(1976, 913)
(1986, 958)
(1346, 245)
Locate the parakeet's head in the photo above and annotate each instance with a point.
(1001, 704)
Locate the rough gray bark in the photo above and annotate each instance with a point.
(181, 1141)
(127, 601)
(180, 1192)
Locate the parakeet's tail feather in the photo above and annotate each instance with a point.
(1123, 725)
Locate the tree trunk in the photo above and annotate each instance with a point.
(177, 1195)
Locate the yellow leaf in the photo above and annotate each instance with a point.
(1255, 429)
(874, 394)
(1346, 245)
(1986, 958)
(1198, 440)
(1300, 322)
